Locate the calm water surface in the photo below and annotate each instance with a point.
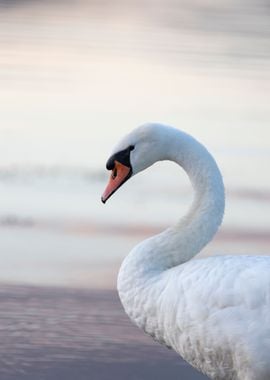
(49, 333)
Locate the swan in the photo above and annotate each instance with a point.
(215, 311)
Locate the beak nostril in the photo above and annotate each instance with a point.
(119, 175)
(114, 173)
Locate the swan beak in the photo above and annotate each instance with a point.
(120, 174)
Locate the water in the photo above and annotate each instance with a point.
(62, 333)
(76, 76)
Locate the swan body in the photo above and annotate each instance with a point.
(215, 311)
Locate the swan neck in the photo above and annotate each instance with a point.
(192, 232)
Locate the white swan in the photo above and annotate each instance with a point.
(215, 312)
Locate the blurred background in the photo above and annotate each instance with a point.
(75, 75)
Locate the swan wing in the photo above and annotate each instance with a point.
(217, 310)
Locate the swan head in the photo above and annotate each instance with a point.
(135, 152)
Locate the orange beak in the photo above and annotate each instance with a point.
(120, 174)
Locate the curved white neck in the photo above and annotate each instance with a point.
(181, 242)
